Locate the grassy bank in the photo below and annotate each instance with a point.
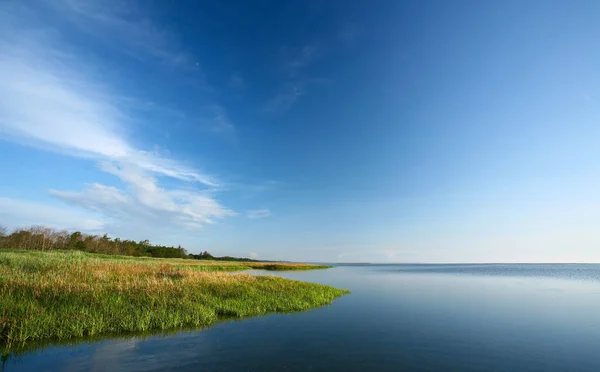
(68, 294)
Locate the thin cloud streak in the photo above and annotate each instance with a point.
(219, 120)
(123, 25)
(296, 60)
(258, 213)
(285, 98)
(126, 27)
(48, 100)
(72, 113)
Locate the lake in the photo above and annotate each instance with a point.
(397, 318)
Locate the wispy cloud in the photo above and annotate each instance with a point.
(218, 120)
(297, 58)
(236, 81)
(143, 201)
(285, 98)
(72, 114)
(295, 62)
(258, 213)
(49, 100)
(124, 25)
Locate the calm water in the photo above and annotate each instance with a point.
(398, 318)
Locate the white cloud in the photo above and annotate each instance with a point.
(258, 213)
(48, 99)
(144, 202)
(254, 255)
(71, 114)
(126, 26)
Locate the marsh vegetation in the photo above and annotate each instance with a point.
(70, 294)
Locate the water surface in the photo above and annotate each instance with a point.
(397, 318)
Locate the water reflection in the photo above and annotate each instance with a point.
(556, 271)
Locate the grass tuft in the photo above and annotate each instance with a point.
(62, 295)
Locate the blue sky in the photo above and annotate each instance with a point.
(383, 131)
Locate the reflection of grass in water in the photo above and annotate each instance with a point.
(32, 347)
(29, 348)
(64, 295)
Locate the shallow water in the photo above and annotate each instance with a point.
(397, 318)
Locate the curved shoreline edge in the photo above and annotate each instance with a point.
(64, 295)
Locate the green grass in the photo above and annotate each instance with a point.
(63, 295)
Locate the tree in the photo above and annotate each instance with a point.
(75, 237)
(43, 238)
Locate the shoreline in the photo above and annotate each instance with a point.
(70, 295)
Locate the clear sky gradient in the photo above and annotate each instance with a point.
(379, 131)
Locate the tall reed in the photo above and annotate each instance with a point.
(68, 294)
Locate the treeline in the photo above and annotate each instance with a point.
(207, 256)
(44, 238)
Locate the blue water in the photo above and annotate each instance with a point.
(397, 318)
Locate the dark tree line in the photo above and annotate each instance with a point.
(207, 256)
(43, 238)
